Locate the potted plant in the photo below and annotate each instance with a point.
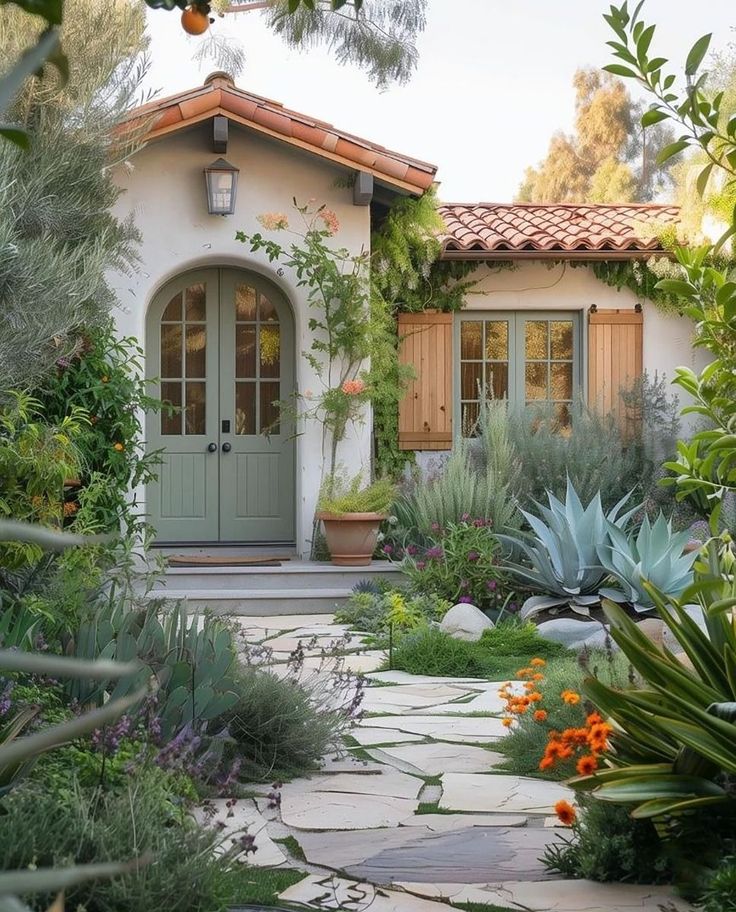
(352, 513)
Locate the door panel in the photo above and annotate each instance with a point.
(256, 372)
(181, 346)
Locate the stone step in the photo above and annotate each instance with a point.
(258, 602)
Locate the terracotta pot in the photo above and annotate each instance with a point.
(351, 537)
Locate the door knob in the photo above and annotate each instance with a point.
(226, 447)
(211, 447)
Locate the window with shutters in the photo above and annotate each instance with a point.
(524, 357)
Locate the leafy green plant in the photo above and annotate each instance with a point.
(351, 495)
(562, 551)
(606, 844)
(376, 612)
(519, 638)
(654, 554)
(460, 562)
(720, 892)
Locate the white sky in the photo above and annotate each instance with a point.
(494, 79)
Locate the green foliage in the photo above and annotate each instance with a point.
(192, 660)
(429, 651)
(56, 213)
(720, 893)
(511, 638)
(654, 555)
(608, 845)
(460, 561)
(639, 278)
(277, 727)
(92, 827)
(376, 612)
(105, 379)
(340, 494)
(565, 566)
(462, 488)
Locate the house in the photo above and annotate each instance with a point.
(223, 329)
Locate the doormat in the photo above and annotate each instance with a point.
(208, 560)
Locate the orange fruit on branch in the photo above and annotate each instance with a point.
(194, 20)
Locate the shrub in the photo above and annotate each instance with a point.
(92, 826)
(343, 495)
(607, 844)
(511, 638)
(281, 728)
(720, 892)
(375, 612)
(460, 563)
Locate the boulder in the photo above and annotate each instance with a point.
(695, 612)
(465, 622)
(653, 629)
(575, 634)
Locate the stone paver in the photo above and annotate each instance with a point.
(331, 892)
(389, 782)
(440, 823)
(368, 736)
(234, 822)
(437, 758)
(343, 811)
(500, 793)
(470, 730)
(558, 896)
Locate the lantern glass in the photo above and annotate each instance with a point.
(222, 183)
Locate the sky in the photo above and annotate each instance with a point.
(494, 80)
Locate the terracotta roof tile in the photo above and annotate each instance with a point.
(220, 96)
(523, 229)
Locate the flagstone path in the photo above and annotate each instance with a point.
(414, 817)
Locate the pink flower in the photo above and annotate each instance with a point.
(353, 387)
(308, 394)
(331, 221)
(273, 221)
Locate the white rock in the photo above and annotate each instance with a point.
(465, 622)
(573, 633)
(501, 794)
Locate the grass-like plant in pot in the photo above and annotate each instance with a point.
(565, 567)
(352, 513)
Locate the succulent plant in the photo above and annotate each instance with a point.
(563, 553)
(654, 555)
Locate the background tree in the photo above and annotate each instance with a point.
(58, 236)
(608, 158)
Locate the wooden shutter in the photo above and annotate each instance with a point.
(425, 413)
(615, 361)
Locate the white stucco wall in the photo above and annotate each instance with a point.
(536, 286)
(165, 192)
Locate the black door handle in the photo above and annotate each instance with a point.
(211, 447)
(226, 447)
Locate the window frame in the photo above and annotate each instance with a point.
(517, 320)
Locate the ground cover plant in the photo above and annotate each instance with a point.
(385, 612)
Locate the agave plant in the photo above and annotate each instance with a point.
(563, 551)
(675, 733)
(654, 555)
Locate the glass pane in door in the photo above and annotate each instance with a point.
(183, 361)
(257, 363)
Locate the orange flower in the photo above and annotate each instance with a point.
(507, 722)
(538, 676)
(105, 379)
(118, 447)
(546, 763)
(536, 697)
(530, 685)
(540, 715)
(570, 697)
(524, 672)
(593, 719)
(565, 812)
(70, 508)
(587, 765)
(538, 663)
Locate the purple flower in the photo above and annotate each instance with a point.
(411, 550)
(491, 584)
(435, 527)
(465, 600)
(421, 565)
(388, 549)
(465, 517)
(473, 556)
(479, 523)
(5, 699)
(435, 553)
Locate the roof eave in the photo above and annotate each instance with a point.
(579, 255)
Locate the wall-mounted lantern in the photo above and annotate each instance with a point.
(222, 184)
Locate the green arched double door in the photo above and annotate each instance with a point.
(220, 350)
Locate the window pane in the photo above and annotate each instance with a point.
(196, 302)
(270, 343)
(471, 381)
(269, 408)
(171, 350)
(536, 339)
(497, 381)
(245, 351)
(471, 340)
(561, 339)
(497, 340)
(196, 351)
(173, 309)
(195, 414)
(536, 380)
(245, 408)
(561, 381)
(267, 311)
(245, 302)
(171, 424)
(469, 417)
